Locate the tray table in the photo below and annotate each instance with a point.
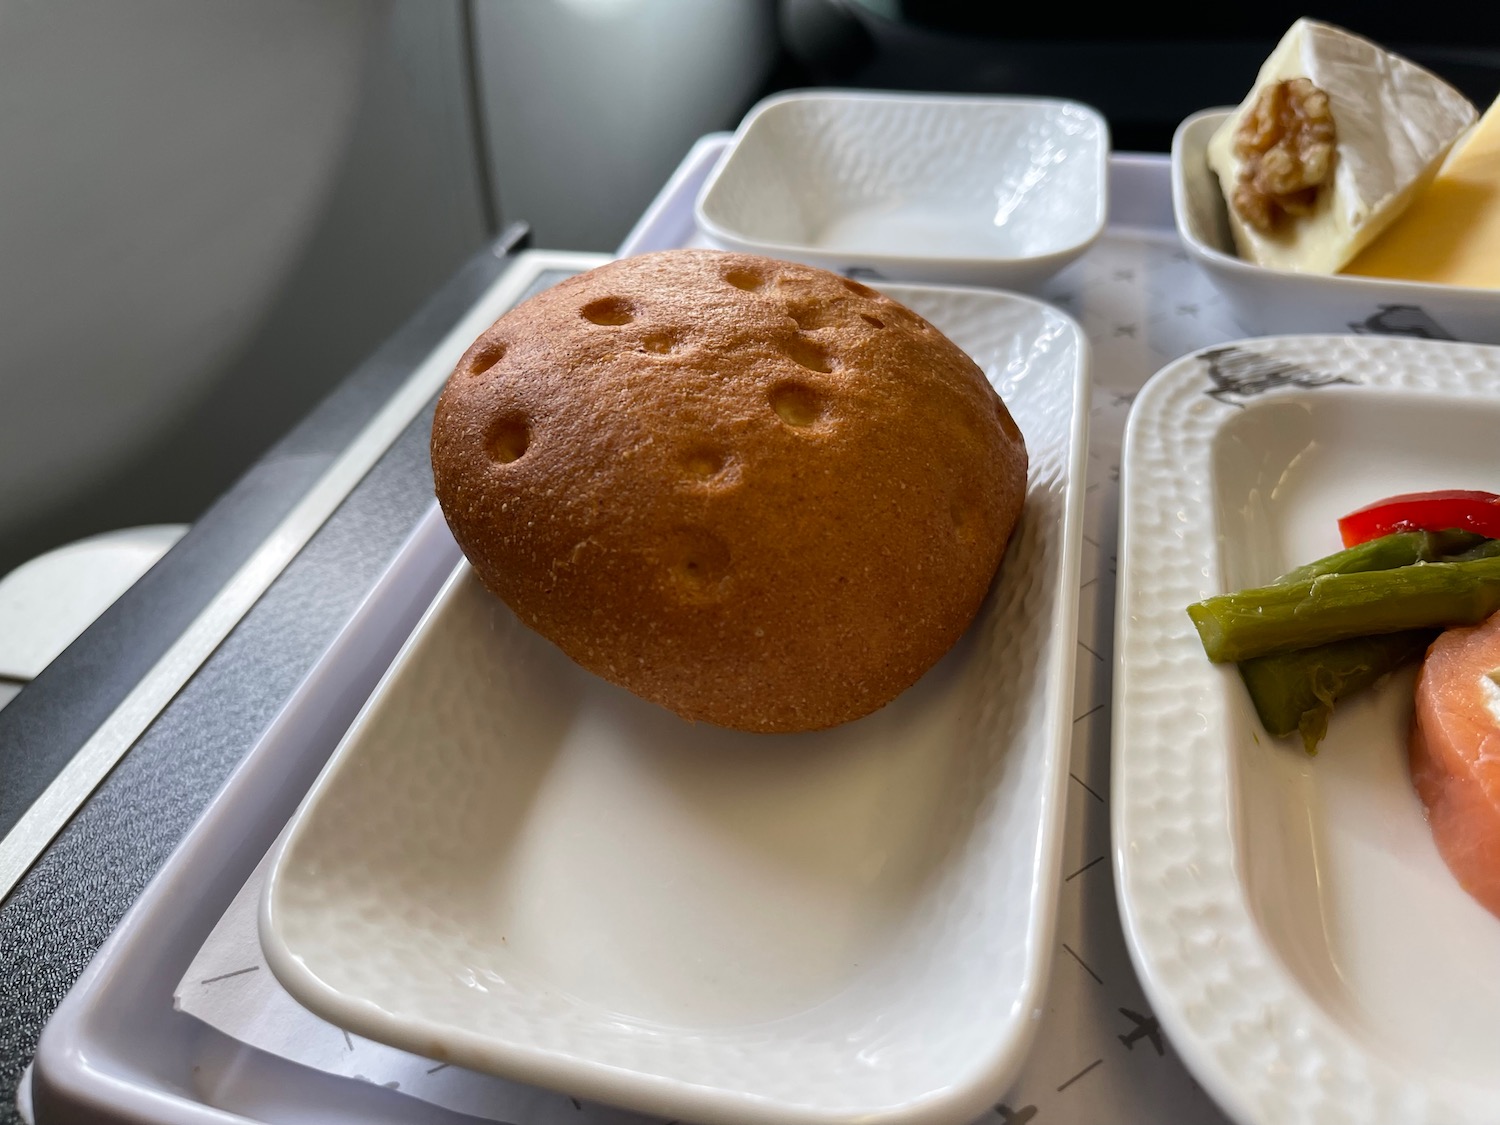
(178, 1020)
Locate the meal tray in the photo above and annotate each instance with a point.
(142, 1035)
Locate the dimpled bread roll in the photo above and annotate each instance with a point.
(754, 492)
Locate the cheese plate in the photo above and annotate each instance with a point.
(1266, 301)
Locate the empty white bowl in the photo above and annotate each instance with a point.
(1269, 301)
(974, 190)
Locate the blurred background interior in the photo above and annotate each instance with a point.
(211, 210)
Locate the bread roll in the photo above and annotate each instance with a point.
(756, 493)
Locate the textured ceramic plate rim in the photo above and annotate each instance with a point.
(1289, 1016)
(1375, 288)
(751, 243)
(667, 1096)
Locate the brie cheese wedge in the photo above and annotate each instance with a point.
(1394, 123)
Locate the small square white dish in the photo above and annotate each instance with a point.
(995, 191)
(513, 866)
(1267, 301)
(1300, 938)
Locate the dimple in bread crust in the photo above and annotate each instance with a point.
(754, 492)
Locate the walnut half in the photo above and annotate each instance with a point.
(1285, 142)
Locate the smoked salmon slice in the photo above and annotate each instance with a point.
(1455, 754)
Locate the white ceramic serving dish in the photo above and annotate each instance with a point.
(1266, 300)
(513, 866)
(1299, 936)
(913, 187)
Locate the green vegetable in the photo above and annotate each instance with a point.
(1486, 549)
(1388, 552)
(1334, 607)
(1295, 686)
(1296, 691)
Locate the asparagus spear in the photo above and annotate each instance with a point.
(1334, 607)
(1401, 548)
(1484, 549)
(1296, 691)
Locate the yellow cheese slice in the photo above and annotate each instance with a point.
(1450, 234)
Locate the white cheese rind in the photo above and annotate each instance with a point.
(1394, 122)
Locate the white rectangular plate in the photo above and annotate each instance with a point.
(513, 866)
(1298, 933)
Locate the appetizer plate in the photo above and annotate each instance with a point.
(974, 190)
(1266, 300)
(1299, 936)
(511, 865)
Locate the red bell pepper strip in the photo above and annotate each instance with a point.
(1460, 509)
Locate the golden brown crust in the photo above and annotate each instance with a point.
(751, 491)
